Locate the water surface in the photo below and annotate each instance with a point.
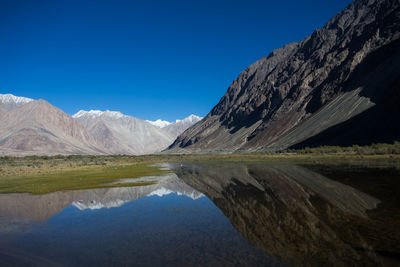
(213, 214)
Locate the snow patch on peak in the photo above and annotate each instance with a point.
(97, 113)
(9, 98)
(80, 113)
(159, 123)
(192, 118)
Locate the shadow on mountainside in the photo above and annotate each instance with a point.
(380, 123)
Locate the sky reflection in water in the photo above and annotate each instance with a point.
(213, 214)
(166, 224)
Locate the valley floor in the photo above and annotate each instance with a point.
(43, 174)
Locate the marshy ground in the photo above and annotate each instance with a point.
(44, 174)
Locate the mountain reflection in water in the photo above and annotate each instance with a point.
(165, 224)
(299, 216)
(211, 214)
(42, 207)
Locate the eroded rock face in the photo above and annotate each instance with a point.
(347, 70)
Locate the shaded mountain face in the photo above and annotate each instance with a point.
(121, 134)
(39, 128)
(345, 74)
(299, 216)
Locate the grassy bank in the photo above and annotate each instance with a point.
(82, 177)
(42, 174)
(46, 165)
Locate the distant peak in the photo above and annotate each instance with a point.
(97, 113)
(159, 123)
(191, 118)
(9, 98)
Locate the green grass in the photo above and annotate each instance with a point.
(44, 174)
(78, 179)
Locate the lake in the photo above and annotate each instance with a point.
(214, 214)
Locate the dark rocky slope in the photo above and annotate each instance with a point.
(338, 86)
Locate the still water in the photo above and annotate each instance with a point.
(213, 214)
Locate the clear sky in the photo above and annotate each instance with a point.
(149, 59)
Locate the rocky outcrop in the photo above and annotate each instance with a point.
(346, 73)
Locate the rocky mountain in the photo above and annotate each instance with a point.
(29, 126)
(122, 134)
(339, 86)
(37, 127)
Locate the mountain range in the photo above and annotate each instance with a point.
(339, 86)
(30, 126)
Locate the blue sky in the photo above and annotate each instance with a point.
(149, 59)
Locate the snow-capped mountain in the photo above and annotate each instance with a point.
(179, 126)
(9, 101)
(29, 126)
(191, 119)
(159, 123)
(8, 98)
(98, 113)
(122, 134)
